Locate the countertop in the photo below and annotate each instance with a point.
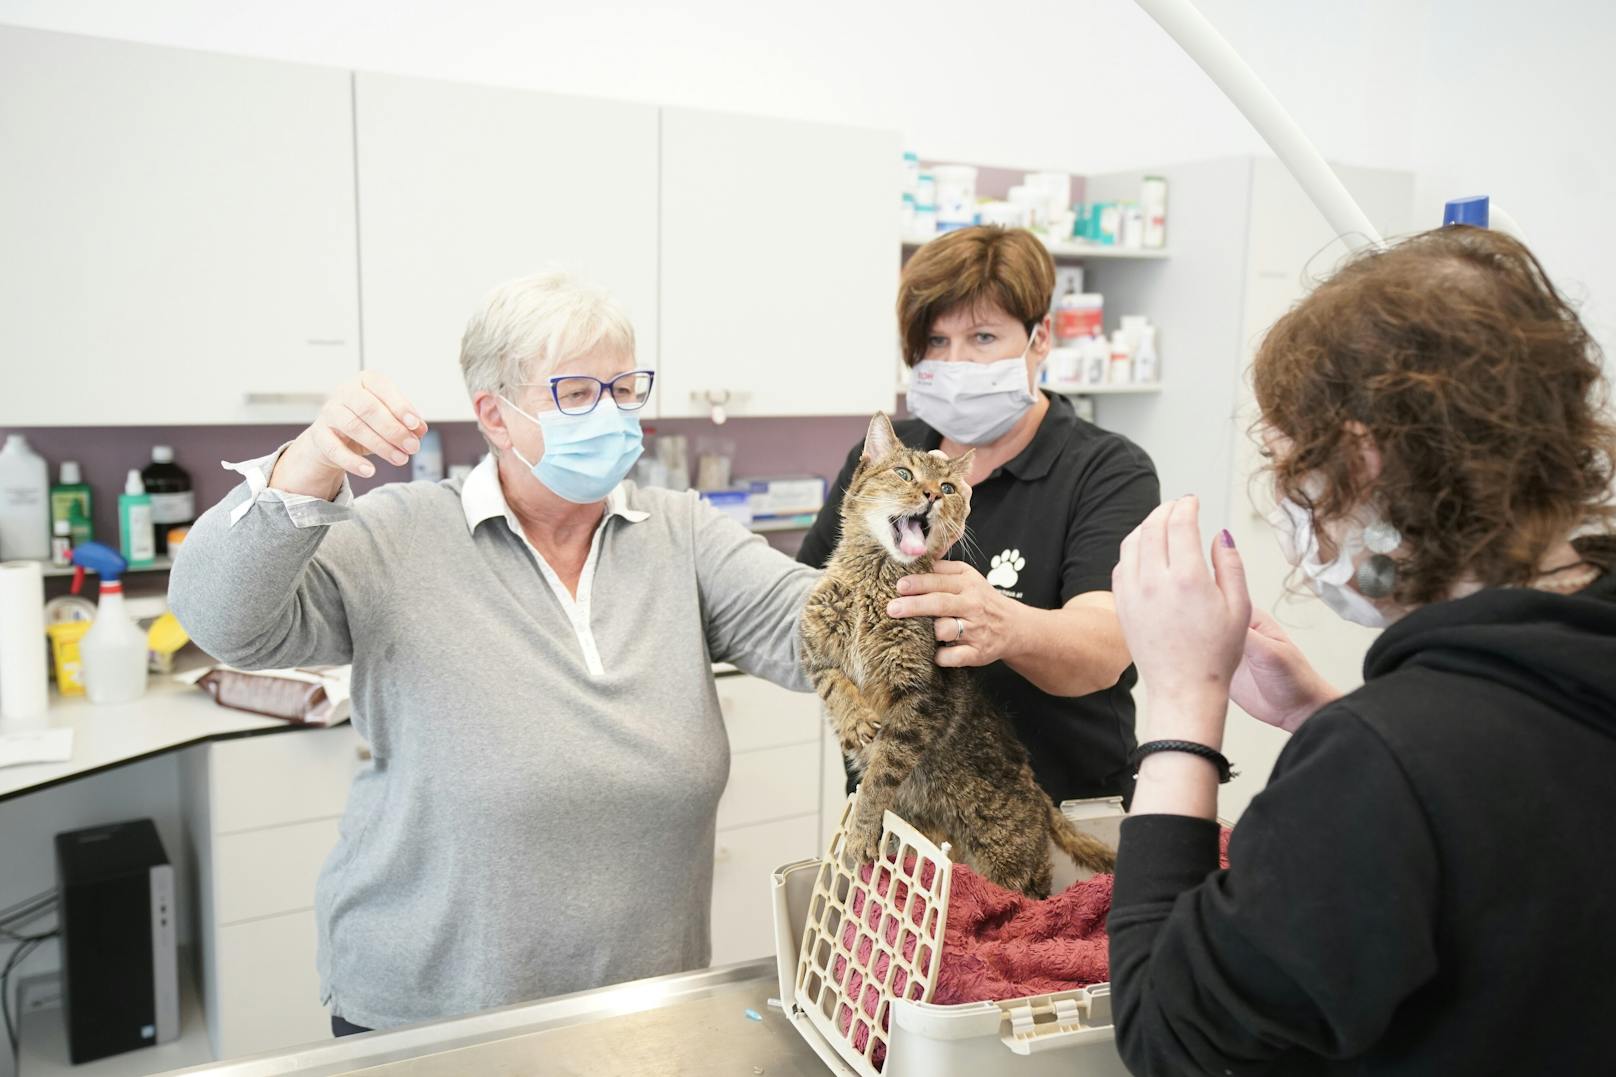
(692, 1023)
(168, 717)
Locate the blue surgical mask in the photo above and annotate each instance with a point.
(971, 403)
(585, 456)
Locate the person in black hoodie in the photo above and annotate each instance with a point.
(1425, 886)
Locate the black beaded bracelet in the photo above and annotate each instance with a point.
(1211, 755)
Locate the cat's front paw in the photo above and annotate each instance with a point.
(864, 837)
(858, 735)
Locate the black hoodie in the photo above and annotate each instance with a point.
(1426, 886)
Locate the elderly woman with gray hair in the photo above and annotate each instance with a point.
(531, 656)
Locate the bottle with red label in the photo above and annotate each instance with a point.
(1079, 315)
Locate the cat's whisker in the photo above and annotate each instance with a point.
(968, 544)
(868, 501)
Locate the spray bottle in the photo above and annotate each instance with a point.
(114, 649)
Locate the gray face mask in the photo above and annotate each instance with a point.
(972, 403)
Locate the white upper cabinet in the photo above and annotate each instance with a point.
(779, 266)
(462, 187)
(194, 238)
(176, 234)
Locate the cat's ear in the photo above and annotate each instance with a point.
(880, 440)
(962, 462)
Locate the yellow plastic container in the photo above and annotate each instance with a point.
(64, 637)
(164, 639)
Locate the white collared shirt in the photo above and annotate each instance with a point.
(483, 498)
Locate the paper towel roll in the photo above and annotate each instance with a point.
(22, 645)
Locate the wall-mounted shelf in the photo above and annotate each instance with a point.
(162, 564)
(1104, 390)
(1077, 252)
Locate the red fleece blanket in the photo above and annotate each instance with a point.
(1001, 944)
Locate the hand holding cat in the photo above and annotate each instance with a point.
(955, 595)
(1185, 624)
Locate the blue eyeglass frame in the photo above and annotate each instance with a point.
(555, 379)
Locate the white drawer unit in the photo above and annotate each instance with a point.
(267, 986)
(758, 714)
(269, 871)
(771, 784)
(287, 778)
(744, 860)
(261, 816)
(771, 808)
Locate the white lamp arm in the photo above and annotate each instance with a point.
(1198, 37)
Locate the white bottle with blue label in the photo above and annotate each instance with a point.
(25, 532)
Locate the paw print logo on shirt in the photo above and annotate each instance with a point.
(1005, 569)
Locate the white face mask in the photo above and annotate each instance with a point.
(1332, 582)
(972, 403)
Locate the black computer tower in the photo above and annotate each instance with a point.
(120, 978)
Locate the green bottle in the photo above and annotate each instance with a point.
(70, 501)
(135, 537)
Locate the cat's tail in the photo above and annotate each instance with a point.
(1089, 852)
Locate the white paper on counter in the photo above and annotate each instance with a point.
(36, 746)
(23, 691)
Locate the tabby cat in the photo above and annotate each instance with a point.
(925, 741)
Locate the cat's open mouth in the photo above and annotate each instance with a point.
(910, 532)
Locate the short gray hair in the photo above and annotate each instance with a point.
(528, 326)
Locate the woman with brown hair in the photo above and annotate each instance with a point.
(1424, 885)
(1052, 497)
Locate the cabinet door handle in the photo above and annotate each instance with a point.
(362, 753)
(256, 399)
(718, 401)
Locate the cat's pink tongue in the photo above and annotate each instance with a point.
(910, 540)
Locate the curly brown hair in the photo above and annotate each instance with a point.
(1482, 392)
(973, 268)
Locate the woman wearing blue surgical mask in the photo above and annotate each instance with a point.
(1027, 596)
(532, 654)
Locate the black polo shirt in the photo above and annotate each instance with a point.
(1047, 526)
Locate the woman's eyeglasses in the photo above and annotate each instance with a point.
(578, 394)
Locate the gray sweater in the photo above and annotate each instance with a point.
(538, 814)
